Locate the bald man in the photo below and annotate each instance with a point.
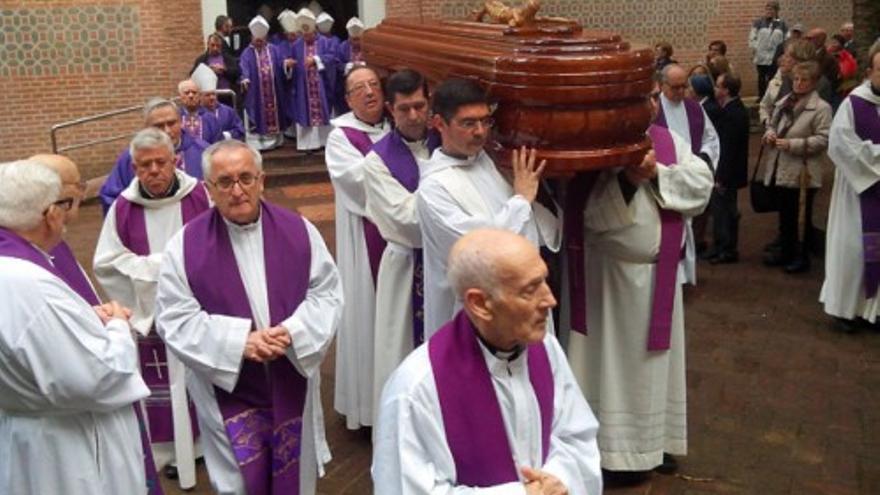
(197, 121)
(489, 402)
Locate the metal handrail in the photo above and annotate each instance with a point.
(100, 116)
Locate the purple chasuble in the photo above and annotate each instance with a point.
(576, 197)
(696, 122)
(131, 227)
(867, 126)
(14, 246)
(263, 415)
(471, 414)
(671, 234)
(375, 243)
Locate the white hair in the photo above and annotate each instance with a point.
(185, 81)
(664, 72)
(156, 103)
(472, 267)
(27, 188)
(228, 144)
(150, 138)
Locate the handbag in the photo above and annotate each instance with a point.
(761, 196)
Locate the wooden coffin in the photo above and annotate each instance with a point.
(578, 96)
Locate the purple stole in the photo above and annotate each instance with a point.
(472, 417)
(222, 81)
(268, 98)
(192, 123)
(576, 197)
(671, 232)
(403, 167)
(375, 243)
(867, 127)
(696, 122)
(263, 415)
(131, 227)
(14, 246)
(313, 82)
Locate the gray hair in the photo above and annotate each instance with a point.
(27, 188)
(182, 83)
(472, 268)
(228, 144)
(156, 103)
(150, 138)
(664, 72)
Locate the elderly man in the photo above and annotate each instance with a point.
(846, 30)
(852, 261)
(127, 259)
(249, 299)
(391, 177)
(315, 66)
(163, 115)
(688, 120)
(828, 65)
(461, 190)
(228, 123)
(489, 402)
(70, 372)
(767, 33)
(359, 245)
(263, 72)
(196, 120)
(634, 230)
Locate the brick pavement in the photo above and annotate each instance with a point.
(778, 403)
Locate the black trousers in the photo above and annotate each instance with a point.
(765, 74)
(788, 199)
(725, 220)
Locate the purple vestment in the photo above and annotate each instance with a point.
(263, 415)
(867, 127)
(375, 243)
(229, 121)
(472, 418)
(202, 124)
(345, 54)
(189, 159)
(311, 100)
(576, 196)
(263, 99)
(65, 267)
(222, 81)
(696, 122)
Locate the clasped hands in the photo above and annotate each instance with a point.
(772, 139)
(267, 344)
(542, 483)
(111, 310)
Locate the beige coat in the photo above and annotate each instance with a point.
(808, 136)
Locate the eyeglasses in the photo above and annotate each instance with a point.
(361, 87)
(64, 204)
(244, 180)
(471, 124)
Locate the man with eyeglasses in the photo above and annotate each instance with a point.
(630, 358)
(688, 119)
(70, 375)
(315, 66)
(391, 177)
(461, 190)
(129, 253)
(161, 114)
(249, 299)
(359, 244)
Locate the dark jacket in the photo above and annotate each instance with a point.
(233, 72)
(733, 133)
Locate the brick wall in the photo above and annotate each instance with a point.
(688, 24)
(63, 60)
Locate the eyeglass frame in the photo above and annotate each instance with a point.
(361, 87)
(471, 124)
(65, 204)
(241, 183)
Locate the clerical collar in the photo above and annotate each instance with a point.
(463, 158)
(171, 191)
(245, 227)
(377, 125)
(875, 90)
(508, 356)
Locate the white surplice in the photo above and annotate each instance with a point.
(857, 167)
(411, 454)
(638, 395)
(457, 196)
(393, 209)
(212, 345)
(131, 279)
(354, 344)
(68, 384)
(677, 120)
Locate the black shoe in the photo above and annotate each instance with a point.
(799, 265)
(724, 258)
(669, 465)
(843, 325)
(624, 478)
(708, 254)
(170, 472)
(776, 259)
(776, 245)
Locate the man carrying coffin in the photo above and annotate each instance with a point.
(359, 245)
(315, 58)
(629, 358)
(489, 403)
(163, 115)
(461, 190)
(70, 374)
(391, 177)
(127, 260)
(852, 258)
(249, 299)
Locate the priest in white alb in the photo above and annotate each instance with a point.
(129, 253)
(461, 190)
(391, 177)
(628, 350)
(359, 245)
(70, 375)
(488, 404)
(852, 254)
(249, 300)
